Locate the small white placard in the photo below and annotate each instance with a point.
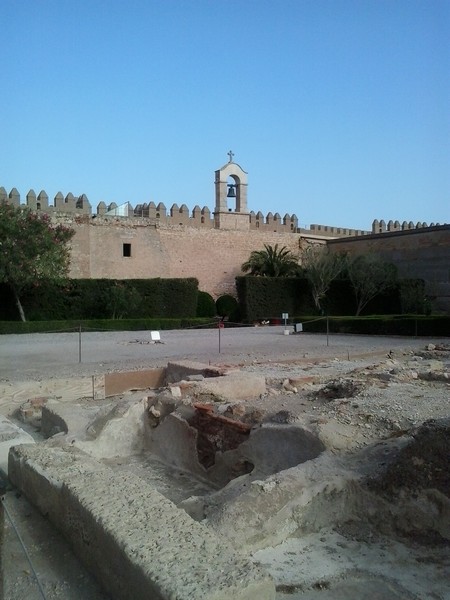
(155, 336)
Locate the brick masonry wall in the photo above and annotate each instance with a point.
(213, 256)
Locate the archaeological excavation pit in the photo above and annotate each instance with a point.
(147, 460)
(194, 450)
(195, 473)
(187, 437)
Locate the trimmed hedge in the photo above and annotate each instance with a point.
(268, 297)
(206, 307)
(227, 306)
(104, 298)
(265, 297)
(15, 327)
(403, 325)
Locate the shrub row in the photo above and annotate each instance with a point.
(12, 327)
(266, 297)
(404, 325)
(104, 299)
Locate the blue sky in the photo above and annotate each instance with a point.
(339, 110)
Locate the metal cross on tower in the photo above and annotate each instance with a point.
(230, 154)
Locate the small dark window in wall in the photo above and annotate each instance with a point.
(127, 250)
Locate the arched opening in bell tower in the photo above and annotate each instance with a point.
(233, 192)
(231, 197)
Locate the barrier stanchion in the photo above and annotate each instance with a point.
(220, 326)
(79, 344)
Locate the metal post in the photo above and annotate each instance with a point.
(328, 331)
(219, 334)
(285, 316)
(79, 344)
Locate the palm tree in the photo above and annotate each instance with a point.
(272, 262)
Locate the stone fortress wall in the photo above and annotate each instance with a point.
(122, 242)
(201, 218)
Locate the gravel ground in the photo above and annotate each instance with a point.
(30, 356)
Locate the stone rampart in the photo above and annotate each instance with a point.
(391, 226)
(120, 242)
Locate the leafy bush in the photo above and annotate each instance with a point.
(206, 307)
(227, 306)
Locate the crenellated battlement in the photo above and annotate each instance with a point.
(156, 214)
(200, 218)
(381, 227)
(329, 231)
(69, 204)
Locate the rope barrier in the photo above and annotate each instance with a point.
(314, 320)
(71, 330)
(86, 328)
(16, 531)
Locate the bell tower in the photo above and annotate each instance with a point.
(231, 186)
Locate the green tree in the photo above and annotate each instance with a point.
(370, 275)
(321, 267)
(31, 250)
(272, 262)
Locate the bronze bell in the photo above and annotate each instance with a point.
(231, 191)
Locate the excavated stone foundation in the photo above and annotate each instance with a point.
(191, 491)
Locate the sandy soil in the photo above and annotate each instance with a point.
(357, 392)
